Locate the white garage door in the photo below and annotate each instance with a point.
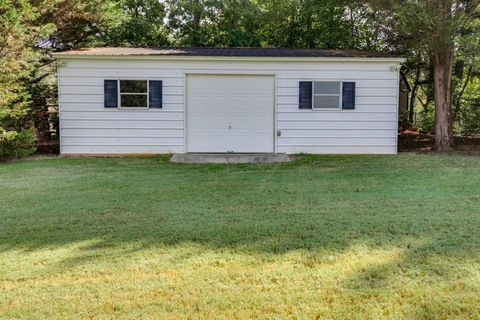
(230, 113)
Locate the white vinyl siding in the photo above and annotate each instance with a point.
(87, 127)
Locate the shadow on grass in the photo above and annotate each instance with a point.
(314, 203)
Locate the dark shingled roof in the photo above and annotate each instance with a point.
(224, 52)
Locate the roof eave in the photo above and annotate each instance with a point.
(61, 55)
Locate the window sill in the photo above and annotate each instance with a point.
(326, 109)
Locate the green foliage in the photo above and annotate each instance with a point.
(191, 21)
(76, 23)
(426, 119)
(466, 80)
(366, 28)
(241, 23)
(30, 30)
(16, 144)
(17, 37)
(309, 24)
(141, 24)
(237, 23)
(467, 119)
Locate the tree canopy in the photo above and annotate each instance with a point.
(439, 38)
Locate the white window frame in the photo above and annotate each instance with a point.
(120, 93)
(340, 95)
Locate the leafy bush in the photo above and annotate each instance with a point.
(15, 144)
(468, 117)
(403, 122)
(426, 119)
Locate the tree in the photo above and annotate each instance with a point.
(30, 30)
(191, 21)
(141, 24)
(59, 25)
(236, 23)
(16, 38)
(304, 23)
(75, 23)
(466, 72)
(437, 25)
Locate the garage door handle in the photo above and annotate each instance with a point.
(230, 127)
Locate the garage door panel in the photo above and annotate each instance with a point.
(208, 123)
(250, 143)
(246, 126)
(251, 115)
(230, 113)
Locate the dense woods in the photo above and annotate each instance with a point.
(439, 38)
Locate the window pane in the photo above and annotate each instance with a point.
(327, 87)
(134, 100)
(323, 102)
(133, 86)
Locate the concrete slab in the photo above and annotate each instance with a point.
(230, 158)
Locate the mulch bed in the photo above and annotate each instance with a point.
(48, 147)
(407, 142)
(421, 142)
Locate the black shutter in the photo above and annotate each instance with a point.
(348, 96)
(155, 94)
(111, 93)
(305, 95)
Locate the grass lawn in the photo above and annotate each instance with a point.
(327, 237)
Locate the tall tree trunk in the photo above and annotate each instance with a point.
(442, 78)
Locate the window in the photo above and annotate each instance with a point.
(326, 94)
(134, 93)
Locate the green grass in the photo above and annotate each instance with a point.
(337, 237)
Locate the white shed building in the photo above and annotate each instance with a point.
(218, 100)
